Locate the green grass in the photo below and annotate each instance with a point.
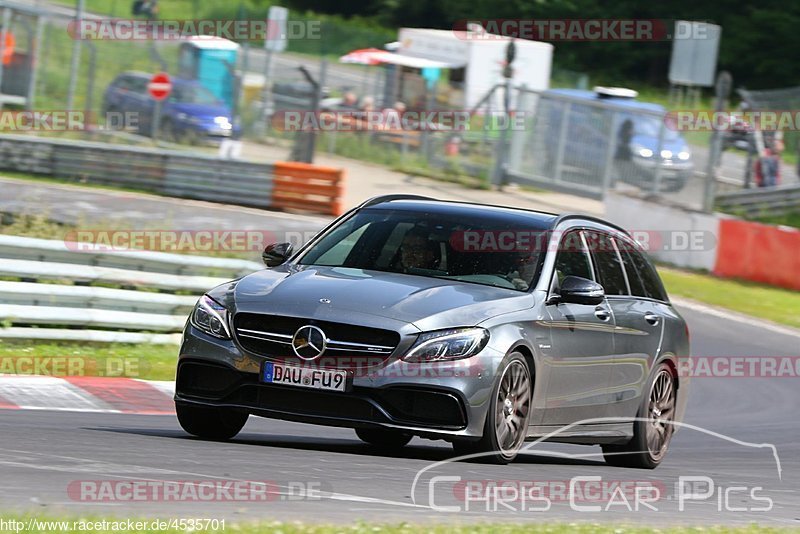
(762, 301)
(789, 219)
(410, 528)
(144, 361)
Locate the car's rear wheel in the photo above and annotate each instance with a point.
(383, 439)
(653, 428)
(509, 412)
(210, 423)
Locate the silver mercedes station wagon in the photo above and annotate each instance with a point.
(484, 326)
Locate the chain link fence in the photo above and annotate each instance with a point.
(561, 141)
(576, 143)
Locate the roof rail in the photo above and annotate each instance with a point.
(380, 199)
(568, 216)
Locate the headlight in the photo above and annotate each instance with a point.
(211, 317)
(443, 345)
(684, 155)
(223, 123)
(666, 154)
(641, 151)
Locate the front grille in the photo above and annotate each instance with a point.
(414, 406)
(348, 346)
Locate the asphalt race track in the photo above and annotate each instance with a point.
(318, 474)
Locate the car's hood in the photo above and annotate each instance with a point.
(427, 303)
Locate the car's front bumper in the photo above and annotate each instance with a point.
(448, 400)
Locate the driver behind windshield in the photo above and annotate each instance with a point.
(418, 252)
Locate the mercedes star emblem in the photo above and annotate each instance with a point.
(309, 342)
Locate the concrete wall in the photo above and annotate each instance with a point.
(670, 234)
(727, 246)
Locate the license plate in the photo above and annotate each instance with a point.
(305, 377)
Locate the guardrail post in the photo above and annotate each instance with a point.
(562, 142)
(608, 166)
(658, 157)
(6, 24)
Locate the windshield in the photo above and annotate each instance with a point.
(192, 94)
(493, 251)
(650, 126)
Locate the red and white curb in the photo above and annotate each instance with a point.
(86, 394)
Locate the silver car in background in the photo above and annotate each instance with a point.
(484, 326)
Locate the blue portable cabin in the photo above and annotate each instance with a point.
(211, 61)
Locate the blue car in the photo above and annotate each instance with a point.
(612, 115)
(190, 114)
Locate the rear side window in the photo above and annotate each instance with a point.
(607, 263)
(634, 279)
(572, 258)
(651, 286)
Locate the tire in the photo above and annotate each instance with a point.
(383, 439)
(651, 435)
(216, 424)
(509, 412)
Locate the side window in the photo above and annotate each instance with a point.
(634, 278)
(572, 258)
(651, 283)
(122, 83)
(607, 263)
(138, 85)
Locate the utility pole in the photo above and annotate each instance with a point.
(723, 90)
(76, 57)
(498, 176)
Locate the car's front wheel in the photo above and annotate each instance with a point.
(509, 412)
(383, 439)
(210, 423)
(653, 428)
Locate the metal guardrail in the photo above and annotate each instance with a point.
(30, 293)
(778, 200)
(40, 310)
(167, 172)
(40, 270)
(30, 248)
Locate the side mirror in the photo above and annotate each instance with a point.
(276, 254)
(577, 290)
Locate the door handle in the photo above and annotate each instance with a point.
(652, 318)
(602, 313)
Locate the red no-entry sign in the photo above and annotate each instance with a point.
(160, 86)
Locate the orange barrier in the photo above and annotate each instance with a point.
(759, 252)
(307, 187)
